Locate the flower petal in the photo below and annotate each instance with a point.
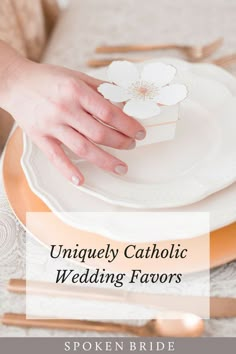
(172, 94)
(113, 93)
(123, 73)
(159, 73)
(141, 109)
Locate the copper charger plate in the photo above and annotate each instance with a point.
(23, 200)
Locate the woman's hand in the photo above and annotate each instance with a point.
(54, 105)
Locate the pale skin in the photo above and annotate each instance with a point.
(56, 106)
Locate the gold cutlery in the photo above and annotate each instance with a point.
(193, 52)
(226, 60)
(96, 63)
(219, 307)
(188, 326)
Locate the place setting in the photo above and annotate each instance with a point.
(118, 176)
(186, 163)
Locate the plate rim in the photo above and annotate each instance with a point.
(219, 249)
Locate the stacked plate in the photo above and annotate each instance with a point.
(195, 172)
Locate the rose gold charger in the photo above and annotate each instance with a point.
(23, 200)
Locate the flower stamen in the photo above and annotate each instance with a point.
(143, 90)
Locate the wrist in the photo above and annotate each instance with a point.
(11, 67)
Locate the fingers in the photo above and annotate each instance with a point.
(85, 149)
(111, 115)
(53, 150)
(99, 133)
(91, 81)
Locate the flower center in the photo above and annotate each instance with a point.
(143, 90)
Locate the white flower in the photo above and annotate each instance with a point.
(143, 92)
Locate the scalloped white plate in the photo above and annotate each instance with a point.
(201, 159)
(61, 196)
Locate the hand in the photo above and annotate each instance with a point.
(56, 106)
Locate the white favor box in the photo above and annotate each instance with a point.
(162, 127)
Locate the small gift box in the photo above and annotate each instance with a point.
(147, 94)
(161, 127)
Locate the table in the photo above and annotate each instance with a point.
(83, 26)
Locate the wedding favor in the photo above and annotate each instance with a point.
(148, 94)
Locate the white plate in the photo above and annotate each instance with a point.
(61, 196)
(198, 162)
(67, 203)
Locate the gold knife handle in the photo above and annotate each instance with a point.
(219, 307)
(134, 48)
(97, 63)
(17, 286)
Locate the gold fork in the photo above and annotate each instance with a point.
(192, 52)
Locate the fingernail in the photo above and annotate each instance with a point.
(132, 145)
(75, 180)
(140, 135)
(121, 170)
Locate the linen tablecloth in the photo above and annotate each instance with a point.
(83, 26)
